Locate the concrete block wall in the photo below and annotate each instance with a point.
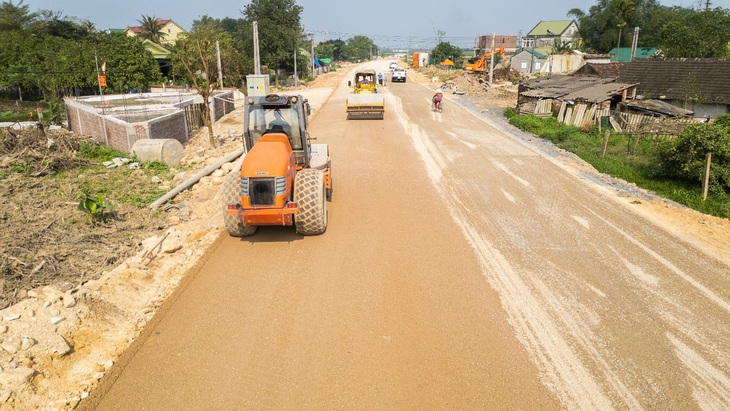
(114, 132)
(221, 104)
(172, 126)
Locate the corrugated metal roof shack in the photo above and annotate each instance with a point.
(575, 100)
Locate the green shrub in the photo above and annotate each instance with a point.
(684, 158)
(98, 152)
(672, 168)
(96, 207)
(12, 116)
(510, 112)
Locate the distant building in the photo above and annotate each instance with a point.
(484, 43)
(528, 61)
(546, 33)
(624, 53)
(169, 28)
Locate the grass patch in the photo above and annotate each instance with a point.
(638, 165)
(95, 151)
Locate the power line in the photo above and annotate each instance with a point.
(465, 42)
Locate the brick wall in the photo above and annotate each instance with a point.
(221, 104)
(170, 126)
(114, 132)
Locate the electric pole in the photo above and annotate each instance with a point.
(634, 43)
(220, 67)
(491, 60)
(312, 38)
(256, 57)
(296, 77)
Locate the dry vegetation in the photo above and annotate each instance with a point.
(45, 238)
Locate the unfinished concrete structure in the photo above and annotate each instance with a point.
(120, 120)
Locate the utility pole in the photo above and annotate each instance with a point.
(634, 43)
(220, 67)
(491, 60)
(532, 54)
(707, 5)
(256, 57)
(311, 36)
(296, 77)
(98, 80)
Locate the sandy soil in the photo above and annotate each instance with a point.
(60, 342)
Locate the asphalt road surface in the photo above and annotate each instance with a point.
(460, 270)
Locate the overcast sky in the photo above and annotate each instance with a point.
(390, 23)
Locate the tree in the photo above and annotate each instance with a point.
(330, 49)
(677, 31)
(603, 23)
(685, 157)
(53, 56)
(694, 33)
(15, 16)
(358, 48)
(279, 29)
(129, 64)
(196, 54)
(623, 9)
(233, 58)
(57, 25)
(445, 50)
(151, 29)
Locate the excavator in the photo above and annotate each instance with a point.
(479, 64)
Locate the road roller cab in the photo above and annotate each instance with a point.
(283, 179)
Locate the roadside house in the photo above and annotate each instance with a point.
(161, 52)
(607, 70)
(540, 49)
(699, 85)
(528, 61)
(170, 29)
(547, 33)
(575, 100)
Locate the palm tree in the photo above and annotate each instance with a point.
(151, 29)
(622, 8)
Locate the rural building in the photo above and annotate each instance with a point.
(508, 42)
(643, 96)
(170, 29)
(548, 33)
(699, 85)
(624, 53)
(528, 61)
(609, 70)
(575, 100)
(541, 47)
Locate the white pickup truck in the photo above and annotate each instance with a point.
(399, 74)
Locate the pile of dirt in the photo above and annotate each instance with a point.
(502, 93)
